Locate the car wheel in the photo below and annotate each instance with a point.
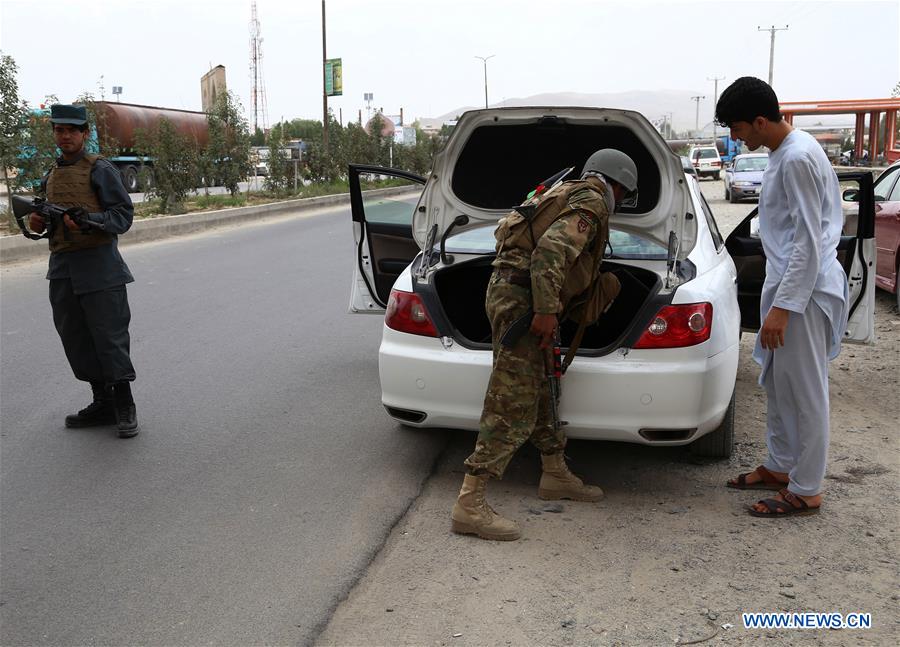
(727, 193)
(718, 443)
(732, 198)
(716, 176)
(130, 178)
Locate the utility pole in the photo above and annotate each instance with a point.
(484, 59)
(715, 80)
(772, 31)
(324, 91)
(697, 118)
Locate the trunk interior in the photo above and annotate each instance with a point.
(461, 291)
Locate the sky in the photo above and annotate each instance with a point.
(420, 55)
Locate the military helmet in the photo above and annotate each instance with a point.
(618, 167)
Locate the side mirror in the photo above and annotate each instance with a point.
(850, 195)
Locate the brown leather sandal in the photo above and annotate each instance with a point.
(792, 506)
(768, 482)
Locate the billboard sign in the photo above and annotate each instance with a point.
(334, 77)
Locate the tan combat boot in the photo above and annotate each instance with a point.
(557, 482)
(473, 516)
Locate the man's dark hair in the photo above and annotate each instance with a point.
(745, 100)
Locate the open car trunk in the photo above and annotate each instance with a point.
(461, 292)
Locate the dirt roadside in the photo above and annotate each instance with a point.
(670, 556)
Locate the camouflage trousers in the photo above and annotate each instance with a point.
(517, 402)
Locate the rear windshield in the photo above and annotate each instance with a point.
(706, 153)
(751, 164)
(500, 165)
(480, 240)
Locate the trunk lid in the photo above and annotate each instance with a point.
(495, 157)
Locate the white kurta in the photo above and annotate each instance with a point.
(800, 223)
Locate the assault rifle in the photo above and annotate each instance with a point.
(52, 215)
(552, 362)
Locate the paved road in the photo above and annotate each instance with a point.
(266, 475)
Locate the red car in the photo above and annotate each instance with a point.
(887, 229)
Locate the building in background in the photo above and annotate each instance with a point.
(212, 84)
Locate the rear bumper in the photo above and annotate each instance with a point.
(616, 397)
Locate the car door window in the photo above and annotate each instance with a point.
(895, 193)
(883, 185)
(388, 209)
(718, 241)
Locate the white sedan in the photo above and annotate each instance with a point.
(659, 366)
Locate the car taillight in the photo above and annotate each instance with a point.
(406, 313)
(678, 326)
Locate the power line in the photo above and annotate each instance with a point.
(715, 80)
(697, 118)
(772, 31)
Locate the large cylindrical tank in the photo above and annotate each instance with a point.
(120, 121)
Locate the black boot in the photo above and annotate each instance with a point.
(99, 412)
(126, 414)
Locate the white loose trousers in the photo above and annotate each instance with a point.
(796, 383)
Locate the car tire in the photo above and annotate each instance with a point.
(130, 178)
(718, 443)
(716, 176)
(727, 193)
(732, 198)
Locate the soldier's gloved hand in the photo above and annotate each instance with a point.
(544, 325)
(76, 219)
(36, 223)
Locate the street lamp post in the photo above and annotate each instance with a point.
(484, 59)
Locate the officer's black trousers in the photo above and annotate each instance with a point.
(93, 328)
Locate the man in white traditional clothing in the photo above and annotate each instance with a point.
(803, 306)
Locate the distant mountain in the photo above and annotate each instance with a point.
(654, 105)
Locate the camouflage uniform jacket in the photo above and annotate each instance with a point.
(565, 245)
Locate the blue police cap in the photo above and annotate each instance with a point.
(61, 113)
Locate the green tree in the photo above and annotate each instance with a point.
(13, 123)
(227, 156)
(279, 178)
(258, 138)
(38, 152)
(175, 164)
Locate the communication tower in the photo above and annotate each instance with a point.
(258, 91)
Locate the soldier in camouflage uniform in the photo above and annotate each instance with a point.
(544, 263)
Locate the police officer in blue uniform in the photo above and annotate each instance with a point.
(88, 275)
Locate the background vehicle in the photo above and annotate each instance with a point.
(887, 228)
(706, 160)
(117, 125)
(688, 166)
(743, 179)
(728, 148)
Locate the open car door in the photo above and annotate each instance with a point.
(382, 231)
(856, 253)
